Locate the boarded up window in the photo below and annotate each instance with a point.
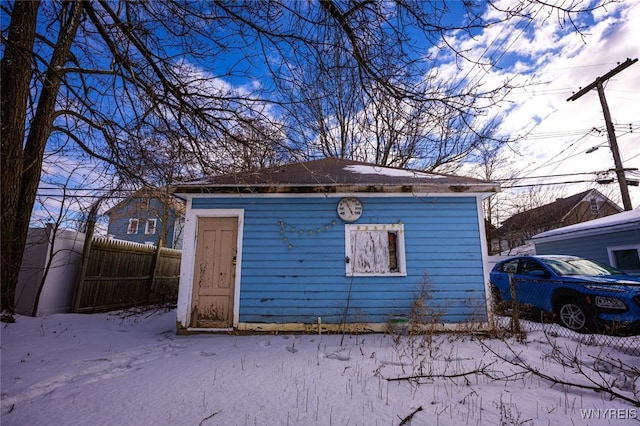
(375, 249)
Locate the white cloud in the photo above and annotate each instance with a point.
(550, 54)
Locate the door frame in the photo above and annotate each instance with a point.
(187, 264)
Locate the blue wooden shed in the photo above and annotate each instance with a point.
(332, 245)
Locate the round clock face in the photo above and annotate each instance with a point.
(349, 209)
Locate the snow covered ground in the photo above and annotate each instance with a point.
(117, 369)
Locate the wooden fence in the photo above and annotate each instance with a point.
(119, 274)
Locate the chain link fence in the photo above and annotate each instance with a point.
(563, 313)
(629, 345)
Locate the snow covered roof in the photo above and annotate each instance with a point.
(617, 222)
(336, 175)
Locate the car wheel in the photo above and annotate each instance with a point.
(573, 315)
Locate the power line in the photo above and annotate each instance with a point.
(81, 189)
(79, 196)
(565, 133)
(546, 176)
(549, 161)
(632, 158)
(611, 135)
(547, 184)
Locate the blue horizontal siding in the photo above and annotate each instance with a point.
(293, 259)
(136, 208)
(592, 246)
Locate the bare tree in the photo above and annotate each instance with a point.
(324, 101)
(154, 159)
(99, 72)
(337, 115)
(252, 146)
(524, 220)
(487, 163)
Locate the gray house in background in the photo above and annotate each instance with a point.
(614, 240)
(521, 227)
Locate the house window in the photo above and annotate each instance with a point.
(595, 208)
(133, 226)
(626, 258)
(375, 250)
(150, 228)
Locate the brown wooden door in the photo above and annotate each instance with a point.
(214, 273)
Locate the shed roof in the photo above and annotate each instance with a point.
(624, 221)
(335, 175)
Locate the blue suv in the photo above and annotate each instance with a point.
(581, 294)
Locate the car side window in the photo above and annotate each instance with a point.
(527, 266)
(510, 267)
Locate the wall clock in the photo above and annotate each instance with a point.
(349, 209)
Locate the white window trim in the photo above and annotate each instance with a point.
(398, 228)
(612, 258)
(150, 230)
(131, 230)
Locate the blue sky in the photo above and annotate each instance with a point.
(558, 62)
(553, 61)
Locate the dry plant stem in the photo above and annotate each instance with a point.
(410, 416)
(575, 363)
(515, 317)
(481, 370)
(618, 364)
(208, 417)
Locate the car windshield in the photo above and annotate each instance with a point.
(569, 266)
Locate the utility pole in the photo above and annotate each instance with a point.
(613, 143)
